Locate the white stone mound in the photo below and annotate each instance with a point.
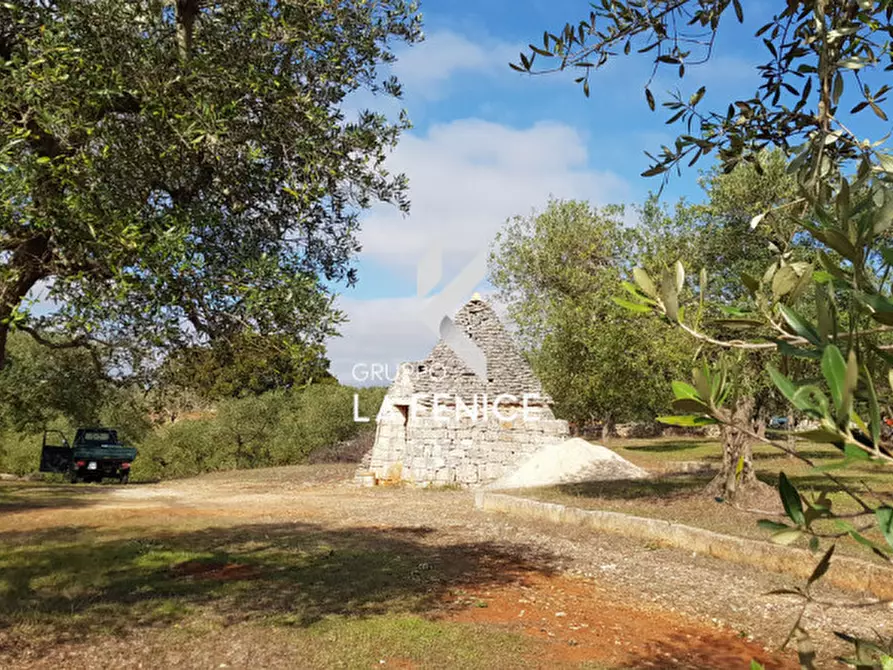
(572, 461)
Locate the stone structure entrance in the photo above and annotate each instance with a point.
(440, 423)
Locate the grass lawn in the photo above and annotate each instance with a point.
(284, 568)
(198, 581)
(679, 497)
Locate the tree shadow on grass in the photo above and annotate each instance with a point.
(667, 447)
(663, 487)
(818, 482)
(25, 496)
(74, 581)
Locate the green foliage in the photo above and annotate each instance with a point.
(812, 88)
(320, 416)
(20, 450)
(182, 449)
(245, 364)
(182, 170)
(277, 428)
(38, 385)
(833, 307)
(62, 389)
(126, 410)
(557, 271)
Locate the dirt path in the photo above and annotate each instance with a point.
(588, 598)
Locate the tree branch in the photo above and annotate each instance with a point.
(728, 344)
(790, 339)
(187, 10)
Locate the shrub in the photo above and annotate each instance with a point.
(311, 425)
(20, 451)
(314, 425)
(181, 449)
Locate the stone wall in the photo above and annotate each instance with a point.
(638, 430)
(423, 449)
(421, 436)
(643, 430)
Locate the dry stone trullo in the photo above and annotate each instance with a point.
(457, 437)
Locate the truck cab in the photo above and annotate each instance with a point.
(95, 454)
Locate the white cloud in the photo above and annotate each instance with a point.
(382, 334)
(468, 176)
(425, 68)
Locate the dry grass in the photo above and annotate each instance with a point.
(83, 577)
(679, 497)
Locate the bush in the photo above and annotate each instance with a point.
(351, 451)
(311, 425)
(314, 425)
(181, 449)
(128, 414)
(20, 451)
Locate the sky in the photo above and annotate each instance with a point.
(488, 144)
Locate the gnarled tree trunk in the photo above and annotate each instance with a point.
(25, 267)
(736, 473)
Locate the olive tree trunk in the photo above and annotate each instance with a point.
(736, 473)
(608, 428)
(25, 267)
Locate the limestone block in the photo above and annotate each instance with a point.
(467, 473)
(493, 471)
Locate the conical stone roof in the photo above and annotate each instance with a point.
(443, 371)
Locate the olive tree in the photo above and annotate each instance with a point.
(175, 171)
(821, 71)
(556, 271)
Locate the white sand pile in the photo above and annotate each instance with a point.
(568, 462)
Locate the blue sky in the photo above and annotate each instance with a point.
(489, 143)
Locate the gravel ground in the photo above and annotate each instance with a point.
(699, 589)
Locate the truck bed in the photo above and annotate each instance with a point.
(107, 452)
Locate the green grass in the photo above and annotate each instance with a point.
(680, 498)
(342, 597)
(340, 643)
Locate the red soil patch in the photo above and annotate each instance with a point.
(221, 572)
(580, 622)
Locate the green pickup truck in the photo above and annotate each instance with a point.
(96, 454)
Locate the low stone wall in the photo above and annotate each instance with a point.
(648, 429)
(638, 430)
(845, 572)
